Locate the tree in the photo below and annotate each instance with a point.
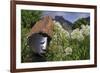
(28, 17)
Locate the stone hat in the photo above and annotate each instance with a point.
(45, 25)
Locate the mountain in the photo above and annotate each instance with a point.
(67, 25)
(62, 20)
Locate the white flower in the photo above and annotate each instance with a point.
(62, 32)
(83, 26)
(85, 30)
(65, 33)
(68, 50)
(55, 36)
(57, 24)
(77, 34)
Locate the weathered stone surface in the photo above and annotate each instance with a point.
(45, 25)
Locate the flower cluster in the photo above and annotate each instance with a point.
(77, 34)
(57, 24)
(59, 29)
(85, 29)
(80, 33)
(68, 50)
(68, 45)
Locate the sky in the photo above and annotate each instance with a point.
(70, 16)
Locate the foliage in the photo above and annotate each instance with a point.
(58, 44)
(62, 47)
(27, 19)
(79, 22)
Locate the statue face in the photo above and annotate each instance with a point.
(43, 43)
(38, 44)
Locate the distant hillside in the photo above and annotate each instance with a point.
(67, 25)
(62, 20)
(81, 21)
(88, 19)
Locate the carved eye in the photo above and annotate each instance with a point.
(42, 42)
